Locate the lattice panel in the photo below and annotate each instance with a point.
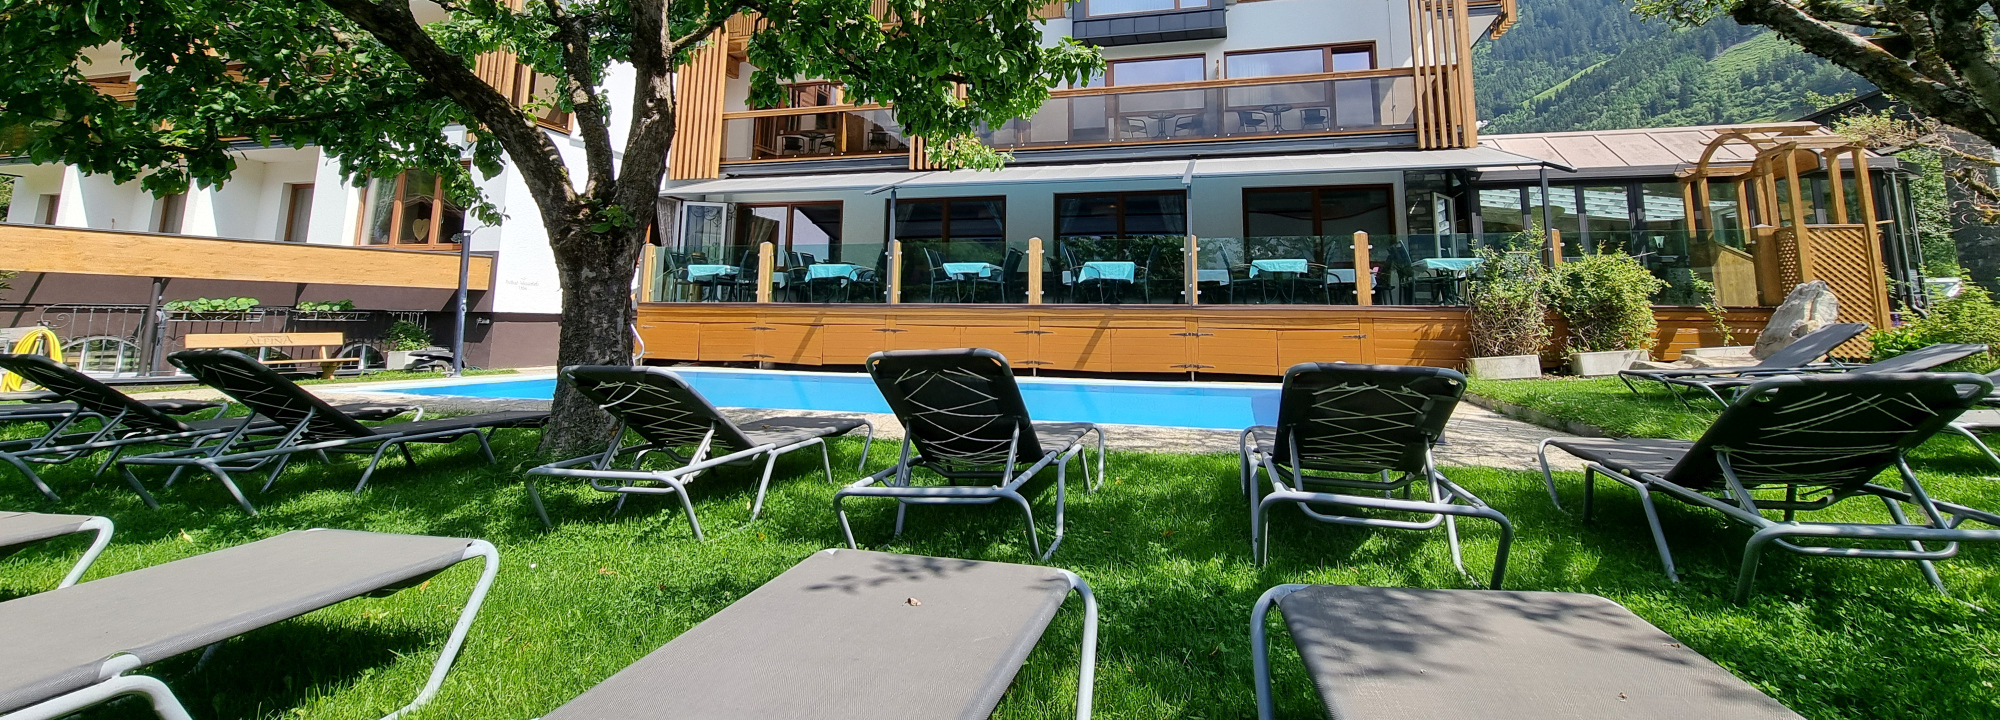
(1850, 262)
(1788, 259)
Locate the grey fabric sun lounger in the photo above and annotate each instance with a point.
(70, 649)
(305, 424)
(58, 410)
(123, 422)
(1368, 421)
(1801, 443)
(1398, 653)
(854, 634)
(1799, 356)
(1920, 360)
(964, 421)
(674, 420)
(19, 530)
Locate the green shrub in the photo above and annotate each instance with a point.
(406, 335)
(204, 305)
(1508, 302)
(330, 306)
(1972, 317)
(1607, 300)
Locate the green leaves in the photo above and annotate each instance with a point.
(1607, 299)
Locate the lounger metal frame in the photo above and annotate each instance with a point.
(103, 527)
(1669, 379)
(1740, 504)
(1921, 360)
(1260, 644)
(114, 683)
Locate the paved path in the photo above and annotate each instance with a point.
(1476, 436)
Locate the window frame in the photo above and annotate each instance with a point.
(170, 207)
(1111, 68)
(292, 212)
(1121, 195)
(742, 213)
(944, 222)
(396, 215)
(1326, 53)
(1318, 219)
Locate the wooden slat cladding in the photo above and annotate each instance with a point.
(1441, 44)
(40, 248)
(1053, 10)
(698, 86)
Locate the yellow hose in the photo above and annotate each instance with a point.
(39, 341)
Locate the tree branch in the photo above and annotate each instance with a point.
(599, 175)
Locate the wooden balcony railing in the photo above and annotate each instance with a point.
(42, 248)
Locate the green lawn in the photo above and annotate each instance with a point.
(1164, 544)
(1606, 403)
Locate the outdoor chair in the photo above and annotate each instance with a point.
(1814, 440)
(1250, 120)
(70, 649)
(1009, 267)
(964, 420)
(18, 530)
(1220, 278)
(1310, 117)
(674, 420)
(1799, 355)
(852, 634)
(123, 422)
(1369, 421)
(1408, 653)
(1929, 357)
(305, 424)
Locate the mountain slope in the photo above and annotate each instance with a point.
(1593, 65)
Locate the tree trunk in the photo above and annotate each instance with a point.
(597, 312)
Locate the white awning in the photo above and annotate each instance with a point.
(1390, 160)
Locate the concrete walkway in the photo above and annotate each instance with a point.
(1475, 437)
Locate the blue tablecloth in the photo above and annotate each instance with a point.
(1108, 270)
(979, 269)
(710, 272)
(1457, 265)
(1212, 275)
(833, 270)
(1276, 265)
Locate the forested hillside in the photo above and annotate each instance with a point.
(1593, 65)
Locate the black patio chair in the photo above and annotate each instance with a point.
(1009, 267)
(1344, 427)
(1817, 440)
(964, 420)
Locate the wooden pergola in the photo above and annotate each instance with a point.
(1776, 210)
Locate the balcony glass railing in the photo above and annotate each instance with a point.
(1420, 269)
(963, 271)
(1212, 113)
(1088, 269)
(838, 133)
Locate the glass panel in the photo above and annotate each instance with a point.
(817, 135)
(1114, 270)
(1279, 212)
(451, 221)
(1321, 269)
(1608, 217)
(1663, 240)
(701, 266)
(965, 271)
(1087, 215)
(1500, 210)
(1281, 62)
(1350, 60)
(981, 219)
(418, 203)
(381, 210)
(1119, 7)
(1561, 215)
(1161, 214)
(1344, 211)
(1240, 111)
(1159, 70)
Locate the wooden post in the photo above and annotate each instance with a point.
(895, 271)
(1837, 187)
(1555, 247)
(1866, 191)
(1364, 282)
(1191, 270)
(765, 264)
(1800, 236)
(1687, 205)
(1706, 205)
(1034, 265)
(649, 258)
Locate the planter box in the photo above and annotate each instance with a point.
(1599, 364)
(215, 315)
(1504, 367)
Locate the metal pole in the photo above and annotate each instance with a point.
(458, 338)
(893, 285)
(1548, 221)
(153, 326)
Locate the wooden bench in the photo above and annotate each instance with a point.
(327, 342)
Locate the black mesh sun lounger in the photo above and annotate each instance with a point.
(1796, 357)
(1813, 440)
(123, 422)
(1924, 359)
(43, 412)
(70, 649)
(1371, 421)
(19, 530)
(305, 424)
(964, 420)
(673, 419)
(1397, 653)
(854, 634)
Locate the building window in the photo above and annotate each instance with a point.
(807, 228)
(1132, 214)
(1340, 210)
(1150, 71)
(51, 202)
(948, 219)
(1101, 8)
(530, 86)
(410, 210)
(1300, 61)
(298, 212)
(171, 211)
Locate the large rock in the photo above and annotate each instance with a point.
(1810, 307)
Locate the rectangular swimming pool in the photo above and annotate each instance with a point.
(1219, 406)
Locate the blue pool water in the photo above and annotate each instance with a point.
(1196, 405)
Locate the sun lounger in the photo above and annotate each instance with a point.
(42, 412)
(1922, 359)
(964, 420)
(306, 424)
(123, 422)
(854, 634)
(19, 530)
(1823, 437)
(1370, 421)
(1799, 355)
(70, 649)
(1383, 653)
(673, 419)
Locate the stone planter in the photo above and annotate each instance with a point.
(1504, 367)
(396, 359)
(1599, 364)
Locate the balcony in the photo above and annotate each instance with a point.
(45, 249)
(1111, 23)
(1286, 107)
